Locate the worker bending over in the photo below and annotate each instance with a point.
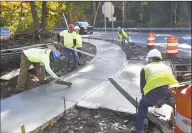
(40, 58)
(78, 42)
(155, 79)
(123, 37)
(69, 40)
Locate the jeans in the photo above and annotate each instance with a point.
(67, 57)
(79, 54)
(150, 100)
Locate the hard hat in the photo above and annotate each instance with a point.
(56, 54)
(119, 28)
(154, 53)
(71, 27)
(76, 28)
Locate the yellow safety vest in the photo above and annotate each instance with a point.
(42, 56)
(68, 38)
(157, 74)
(78, 41)
(124, 34)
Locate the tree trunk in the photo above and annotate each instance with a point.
(35, 21)
(43, 15)
(94, 8)
(34, 15)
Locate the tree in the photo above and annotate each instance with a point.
(34, 15)
(43, 16)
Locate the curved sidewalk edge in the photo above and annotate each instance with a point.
(35, 107)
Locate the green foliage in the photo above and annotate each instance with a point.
(18, 16)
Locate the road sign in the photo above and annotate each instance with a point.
(108, 9)
(5, 31)
(112, 19)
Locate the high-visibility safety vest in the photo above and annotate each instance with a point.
(42, 56)
(78, 41)
(123, 35)
(157, 74)
(68, 38)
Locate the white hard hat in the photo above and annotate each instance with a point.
(76, 28)
(154, 53)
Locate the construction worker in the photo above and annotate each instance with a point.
(69, 40)
(155, 79)
(78, 41)
(123, 37)
(40, 58)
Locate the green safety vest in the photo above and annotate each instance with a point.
(78, 41)
(68, 38)
(124, 34)
(42, 56)
(157, 74)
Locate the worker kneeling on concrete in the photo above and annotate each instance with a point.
(69, 40)
(40, 58)
(155, 79)
(78, 42)
(123, 37)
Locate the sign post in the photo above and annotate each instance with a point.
(108, 13)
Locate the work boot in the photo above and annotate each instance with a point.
(75, 67)
(48, 79)
(68, 69)
(133, 130)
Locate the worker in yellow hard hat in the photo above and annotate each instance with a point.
(155, 79)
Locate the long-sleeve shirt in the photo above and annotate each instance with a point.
(68, 38)
(41, 56)
(142, 80)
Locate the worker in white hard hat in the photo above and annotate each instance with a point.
(78, 42)
(155, 79)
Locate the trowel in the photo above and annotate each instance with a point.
(62, 82)
(59, 81)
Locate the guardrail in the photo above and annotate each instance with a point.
(138, 29)
(145, 29)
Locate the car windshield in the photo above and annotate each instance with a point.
(83, 24)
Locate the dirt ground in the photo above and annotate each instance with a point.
(81, 120)
(12, 62)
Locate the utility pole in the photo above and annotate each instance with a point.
(123, 13)
(171, 12)
(175, 12)
(94, 7)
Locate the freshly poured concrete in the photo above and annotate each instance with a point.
(108, 96)
(90, 89)
(35, 107)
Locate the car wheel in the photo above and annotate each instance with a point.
(82, 31)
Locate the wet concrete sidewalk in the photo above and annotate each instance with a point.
(35, 107)
(107, 96)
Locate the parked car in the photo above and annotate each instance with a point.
(84, 27)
